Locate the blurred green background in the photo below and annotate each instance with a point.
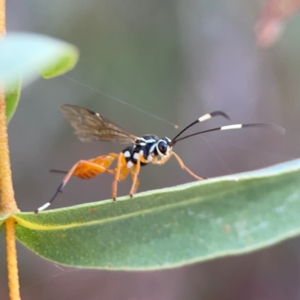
(148, 65)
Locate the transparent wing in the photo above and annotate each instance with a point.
(90, 126)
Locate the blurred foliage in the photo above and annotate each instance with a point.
(272, 18)
(12, 96)
(21, 55)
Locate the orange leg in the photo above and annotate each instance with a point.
(164, 160)
(134, 173)
(121, 164)
(84, 169)
(134, 185)
(122, 172)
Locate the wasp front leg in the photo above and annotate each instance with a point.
(121, 173)
(135, 173)
(135, 183)
(182, 165)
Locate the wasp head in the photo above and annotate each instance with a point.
(163, 146)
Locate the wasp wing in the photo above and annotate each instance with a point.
(90, 126)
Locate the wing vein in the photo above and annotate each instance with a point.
(90, 126)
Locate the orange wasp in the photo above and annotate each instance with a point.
(91, 126)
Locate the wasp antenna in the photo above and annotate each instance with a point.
(202, 119)
(234, 126)
(239, 126)
(213, 114)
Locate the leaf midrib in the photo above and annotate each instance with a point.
(36, 226)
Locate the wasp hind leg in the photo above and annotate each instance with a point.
(84, 169)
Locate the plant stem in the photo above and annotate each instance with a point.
(2, 18)
(7, 198)
(8, 204)
(12, 264)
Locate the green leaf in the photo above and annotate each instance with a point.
(12, 96)
(171, 227)
(3, 217)
(63, 64)
(24, 54)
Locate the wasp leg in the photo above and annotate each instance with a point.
(84, 169)
(134, 185)
(135, 173)
(121, 164)
(161, 161)
(122, 171)
(164, 160)
(93, 167)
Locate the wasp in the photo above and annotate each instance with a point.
(91, 126)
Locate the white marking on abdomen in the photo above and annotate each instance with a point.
(129, 164)
(236, 126)
(204, 118)
(150, 157)
(127, 154)
(142, 152)
(136, 156)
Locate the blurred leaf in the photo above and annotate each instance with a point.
(25, 54)
(3, 218)
(171, 227)
(12, 96)
(63, 64)
(272, 17)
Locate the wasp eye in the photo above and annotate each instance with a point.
(162, 147)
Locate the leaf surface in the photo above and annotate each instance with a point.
(27, 55)
(12, 96)
(171, 227)
(3, 217)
